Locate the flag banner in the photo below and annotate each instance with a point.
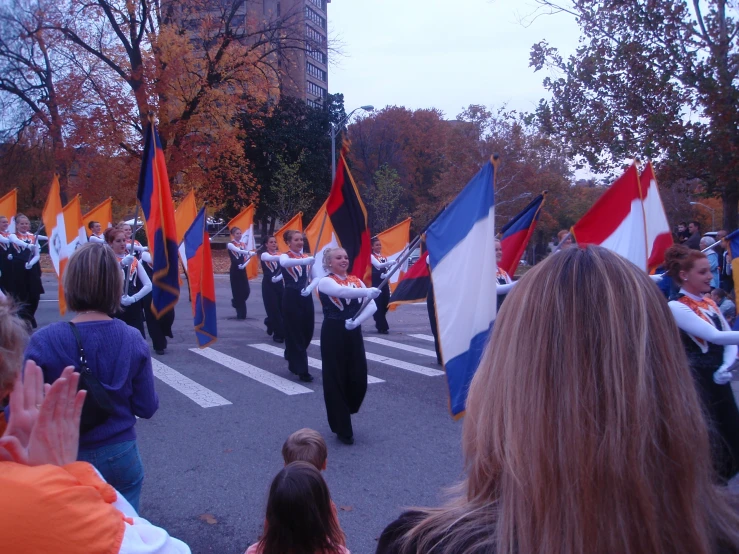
(102, 213)
(412, 287)
(464, 281)
(349, 219)
(202, 284)
(155, 198)
(394, 242)
(628, 220)
(55, 229)
(328, 239)
(184, 217)
(9, 207)
(515, 234)
(74, 225)
(245, 222)
(295, 224)
(659, 235)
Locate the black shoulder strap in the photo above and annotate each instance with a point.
(80, 350)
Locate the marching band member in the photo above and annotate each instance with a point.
(6, 255)
(711, 349)
(139, 284)
(97, 232)
(26, 284)
(273, 287)
(297, 305)
(137, 248)
(342, 348)
(380, 265)
(239, 257)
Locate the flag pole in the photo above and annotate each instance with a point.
(712, 246)
(150, 117)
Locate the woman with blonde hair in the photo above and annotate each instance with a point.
(342, 347)
(581, 435)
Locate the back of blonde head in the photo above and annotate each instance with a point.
(584, 432)
(13, 338)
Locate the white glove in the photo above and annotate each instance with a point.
(373, 293)
(277, 278)
(242, 266)
(145, 248)
(383, 276)
(310, 260)
(127, 300)
(128, 260)
(29, 265)
(36, 247)
(351, 324)
(305, 292)
(722, 376)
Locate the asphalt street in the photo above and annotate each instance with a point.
(212, 449)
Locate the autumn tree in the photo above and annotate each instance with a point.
(384, 203)
(289, 193)
(655, 79)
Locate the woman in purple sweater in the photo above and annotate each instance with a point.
(116, 353)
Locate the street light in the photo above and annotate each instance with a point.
(335, 131)
(713, 213)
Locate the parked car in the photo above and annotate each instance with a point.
(413, 258)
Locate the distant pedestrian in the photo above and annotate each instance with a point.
(725, 304)
(713, 260)
(299, 515)
(694, 240)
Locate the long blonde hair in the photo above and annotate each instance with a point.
(584, 432)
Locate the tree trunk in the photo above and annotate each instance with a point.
(730, 205)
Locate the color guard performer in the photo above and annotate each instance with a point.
(342, 347)
(139, 284)
(26, 284)
(273, 287)
(6, 255)
(297, 305)
(380, 266)
(97, 232)
(239, 257)
(137, 248)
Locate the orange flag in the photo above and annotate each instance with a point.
(245, 222)
(55, 228)
(185, 215)
(295, 224)
(74, 225)
(102, 213)
(328, 237)
(9, 207)
(394, 242)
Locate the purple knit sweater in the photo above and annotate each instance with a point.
(118, 355)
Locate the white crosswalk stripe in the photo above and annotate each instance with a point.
(429, 338)
(312, 362)
(400, 346)
(252, 372)
(400, 364)
(196, 392)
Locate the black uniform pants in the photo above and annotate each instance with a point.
(133, 316)
(344, 374)
(240, 291)
(298, 314)
(26, 288)
(723, 423)
(159, 329)
(272, 295)
(380, 315)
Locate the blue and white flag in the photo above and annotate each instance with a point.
(461, 245)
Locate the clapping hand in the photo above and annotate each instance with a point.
(44, 426)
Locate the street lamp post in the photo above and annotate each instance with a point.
(335, 131)
(713, 213)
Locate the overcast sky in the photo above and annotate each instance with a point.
(445, 54)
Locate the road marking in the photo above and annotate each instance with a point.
(196, 392)
(252, 372)
(400, 364)
(407, 348)
(429, 338)
(312, 362)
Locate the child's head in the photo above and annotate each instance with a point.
(306, 445)
(300, 517)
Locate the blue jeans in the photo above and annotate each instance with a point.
(120, 465)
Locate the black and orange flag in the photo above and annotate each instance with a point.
(349, 219)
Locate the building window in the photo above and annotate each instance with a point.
(315, 90)
(316, 54)
(314, 104)
(321, 4)
(314, 36)
(315, 17)
(316, 72)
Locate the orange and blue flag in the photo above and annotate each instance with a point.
(515, 234)
(155, 198)
(202, 285)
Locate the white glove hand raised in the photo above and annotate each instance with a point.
(305, 292)
(722, 376)
(373, 293)
(127, 300)
(128, 260)
(351, 324)
(277, 278)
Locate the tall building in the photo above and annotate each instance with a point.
(306, 73)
